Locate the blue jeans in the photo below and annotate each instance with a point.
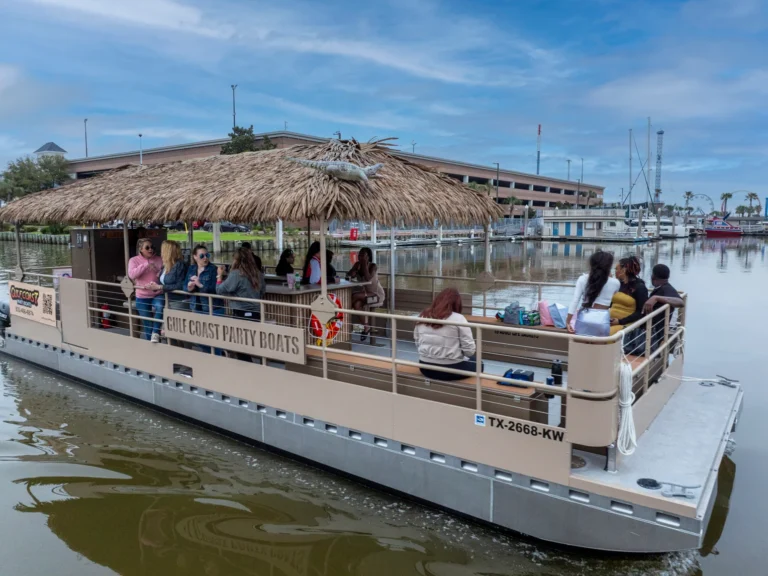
(144, 306)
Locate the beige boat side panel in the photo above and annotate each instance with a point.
(649, 406)
(452, 430)
(36, 331)
(73, 298)
(593, 367)
(592, 423)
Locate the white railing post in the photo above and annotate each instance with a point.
(479, 370)
(648, 337)
(394, 355)
(263, 320)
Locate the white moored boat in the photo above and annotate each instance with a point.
(541, 460)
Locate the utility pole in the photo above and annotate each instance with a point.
(337, 133)
(538, 151)
(497, 182)
(413, 147)
(582, 169)
(141, 152)
(569, 168)
(234, 114)
(85, 123)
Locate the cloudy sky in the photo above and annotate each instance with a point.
(464, 80)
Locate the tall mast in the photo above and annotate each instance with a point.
(648, 156)
(630, 171)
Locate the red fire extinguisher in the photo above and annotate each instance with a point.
(105, 316)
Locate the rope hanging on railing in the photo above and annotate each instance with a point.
(627, 440)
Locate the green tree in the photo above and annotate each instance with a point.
(753, 197)
(740, 210)
(511, 201)
(591, 195)
(26, 175)
(244, 140)
(725, 196)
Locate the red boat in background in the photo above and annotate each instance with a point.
(720, 228)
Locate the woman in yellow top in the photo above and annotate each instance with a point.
(627, 304)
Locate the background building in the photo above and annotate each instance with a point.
(537, 191)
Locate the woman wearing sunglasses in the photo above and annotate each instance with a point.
(201, 278)
(144, 269)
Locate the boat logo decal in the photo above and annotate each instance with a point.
(479, 420)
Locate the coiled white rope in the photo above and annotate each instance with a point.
(627, 440)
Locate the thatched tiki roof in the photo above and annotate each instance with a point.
(262, 186)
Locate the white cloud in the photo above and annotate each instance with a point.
(675, 94)
(8, 77)
(9, 144)
(383, 120)
(163, 14)
(446, 109)
(162, 133)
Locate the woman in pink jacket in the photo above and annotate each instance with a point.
(144, 269)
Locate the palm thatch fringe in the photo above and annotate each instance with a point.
(262, 186)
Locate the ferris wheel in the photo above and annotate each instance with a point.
(700, 203)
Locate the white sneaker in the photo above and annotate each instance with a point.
(155, 338)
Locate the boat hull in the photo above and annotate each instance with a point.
(723, 233)
(506, 499)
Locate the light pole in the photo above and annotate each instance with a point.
(582, 169)
(413, 147)
(569, 168)
(234, 116)
(85, 124)
(497, 182)
(337, 133)
(141, 152)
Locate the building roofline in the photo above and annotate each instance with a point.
(317, 139)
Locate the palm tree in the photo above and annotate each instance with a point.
(725, 196)
(688, 196)
(753, 197)
(741, 209)
(590, 195)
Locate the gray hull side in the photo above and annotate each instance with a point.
(509, 502)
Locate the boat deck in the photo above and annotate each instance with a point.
(682, 446)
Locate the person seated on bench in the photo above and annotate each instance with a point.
(371, 296)
(443, 344)
(594, 290)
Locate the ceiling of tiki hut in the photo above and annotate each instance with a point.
(261, 187)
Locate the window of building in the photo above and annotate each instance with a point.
(519, 186)
(555, 190)
(589, 225)
(612, 224)
(570, 192)
(537, 188)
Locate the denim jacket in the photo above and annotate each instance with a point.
(175, 279)
(208, 280)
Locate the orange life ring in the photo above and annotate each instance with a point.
(331, 329)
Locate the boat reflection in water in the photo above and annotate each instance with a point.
(725, 479)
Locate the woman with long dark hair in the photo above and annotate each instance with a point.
(311, 272)
(285, 265)
(627, 304)
(445, 345)
(372, 295)
(244, 280)
(594, 290)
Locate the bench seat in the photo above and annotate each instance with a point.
(524, 403)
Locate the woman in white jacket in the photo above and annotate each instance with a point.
(444, 344)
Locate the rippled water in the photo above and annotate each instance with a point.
(90, 484)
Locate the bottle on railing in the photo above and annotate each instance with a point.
(557, 373)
